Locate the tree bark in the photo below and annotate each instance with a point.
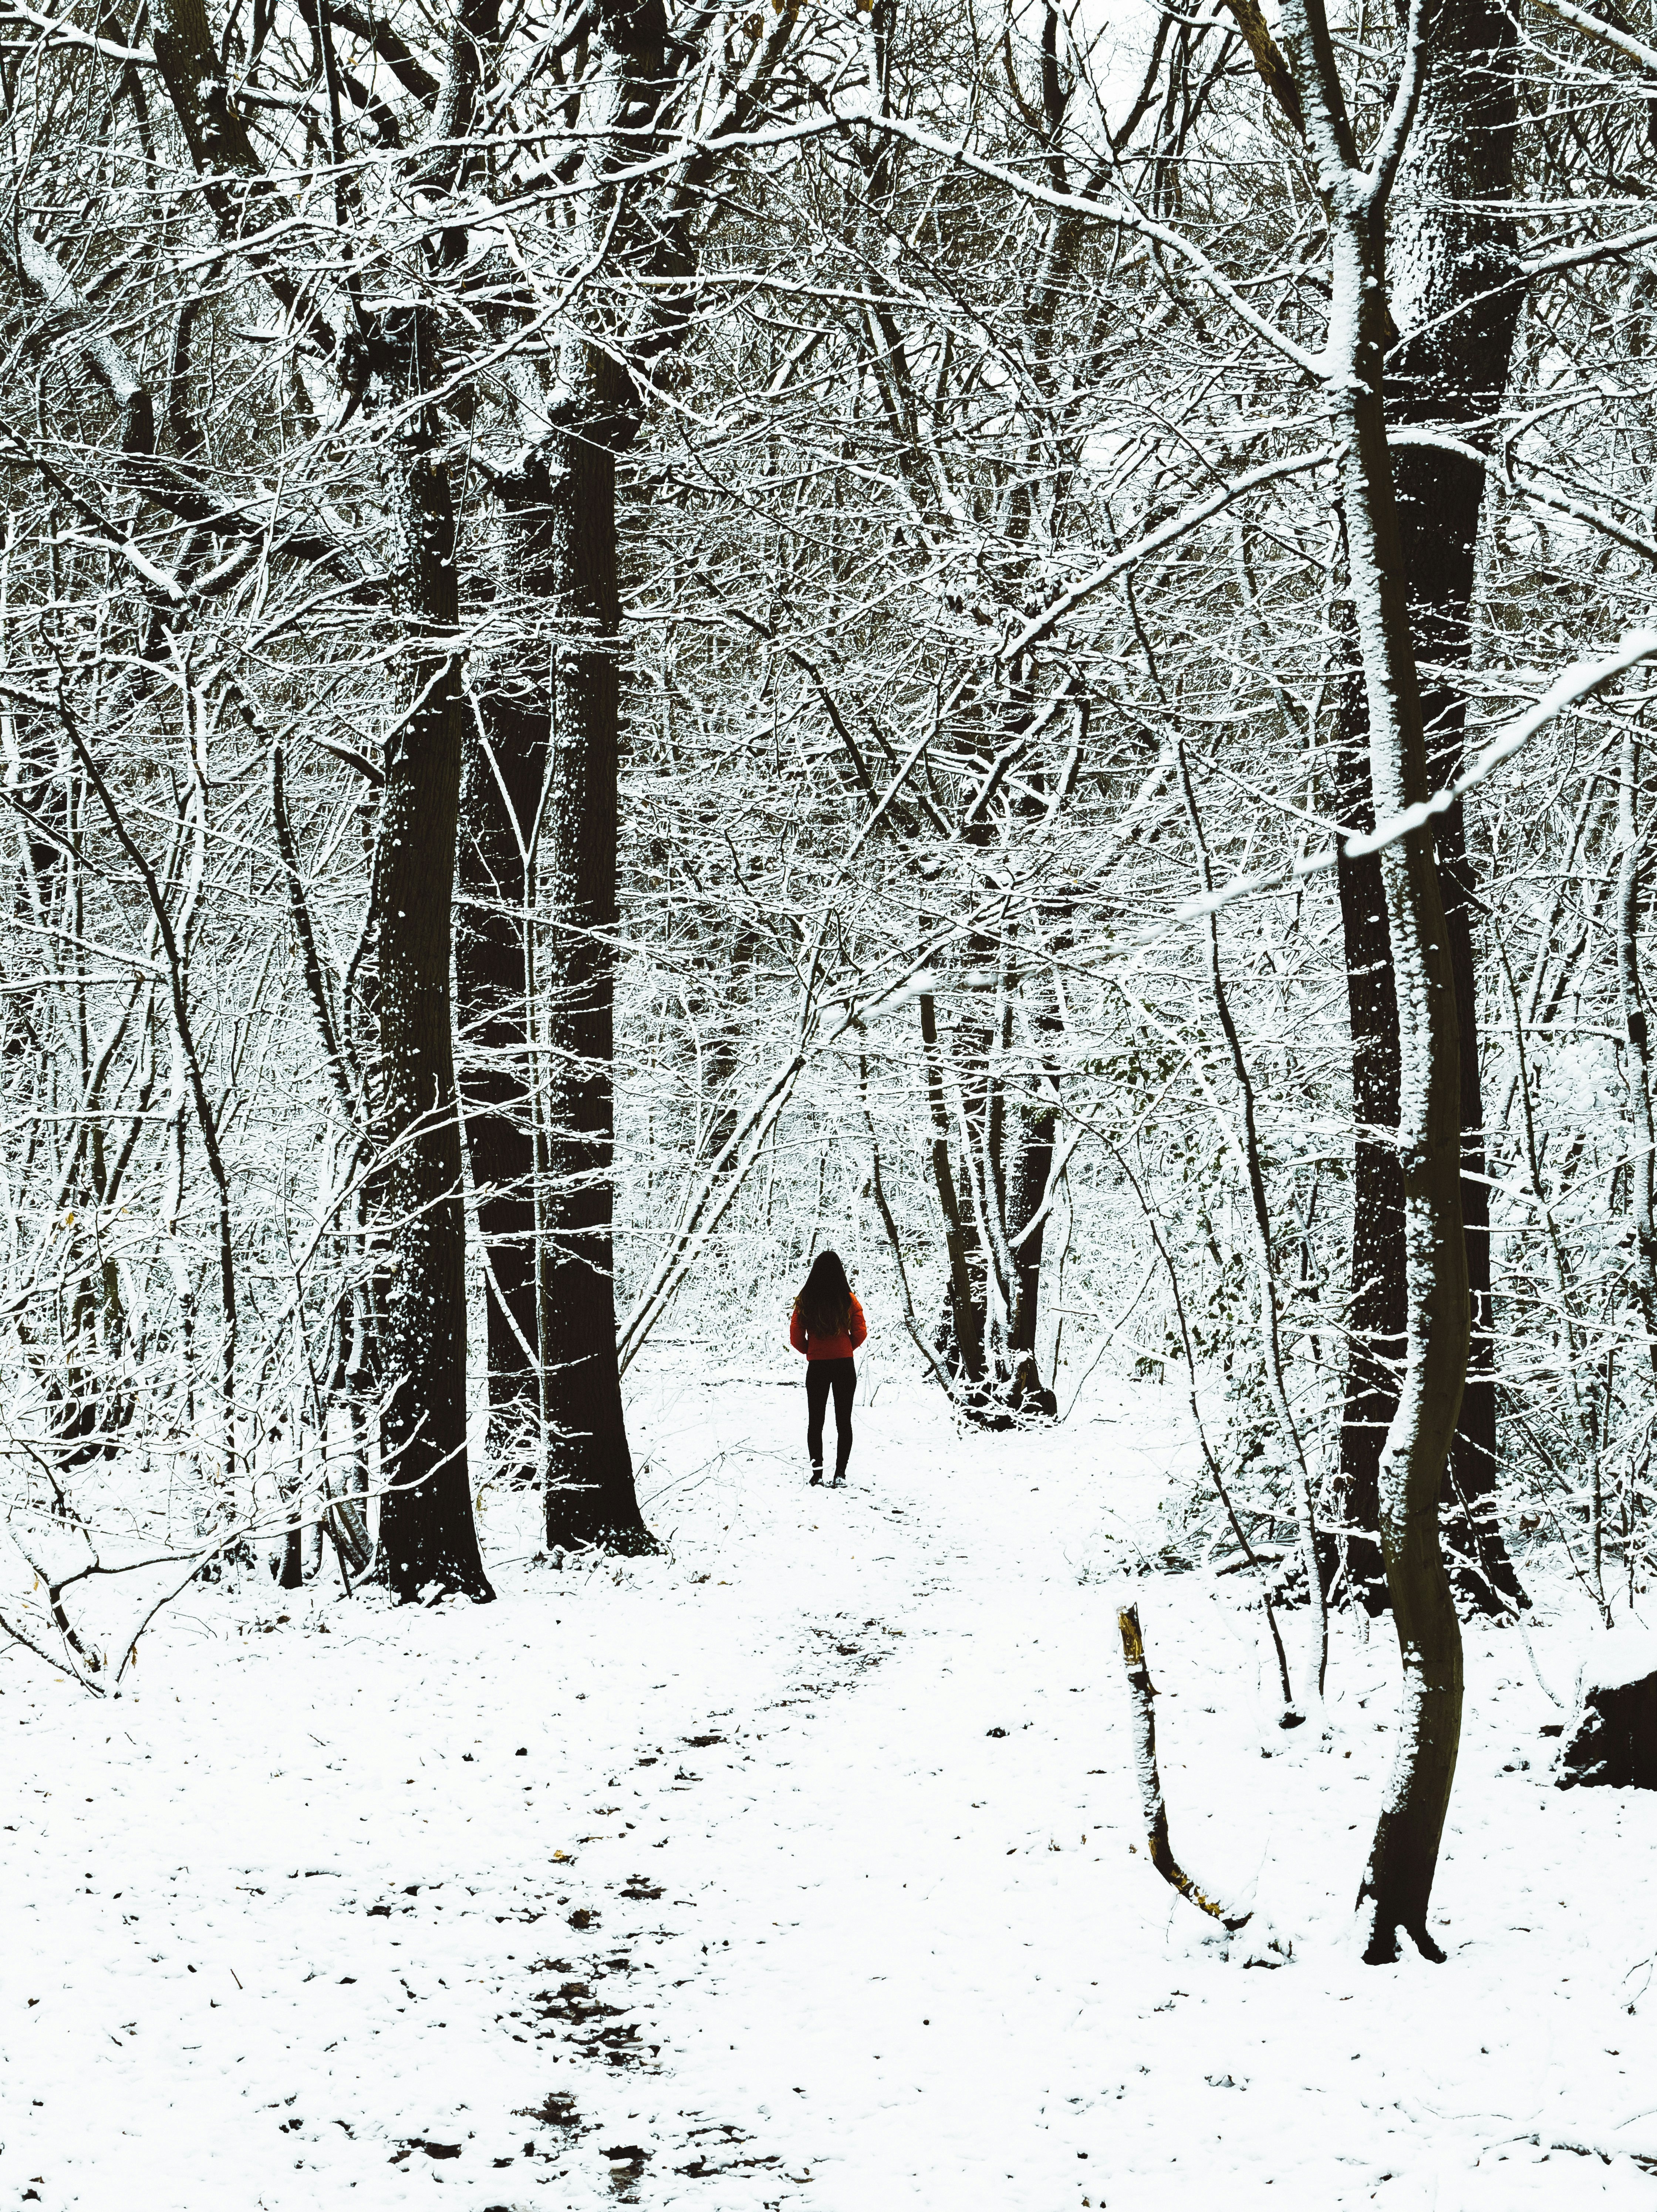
(1636, 1064)
(428, 1536)
(1397, 1883)
(964, 1328)
(589, 1495)
(1397, 1888)
(505, 763)
(1451, 242)
(550, 561)
(1449, 245)
(1027, 1194)
(426, 1533)
(1377, 1318)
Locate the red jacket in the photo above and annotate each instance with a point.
(840, 1346)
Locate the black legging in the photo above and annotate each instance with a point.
(819, 1375)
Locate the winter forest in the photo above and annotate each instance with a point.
(640, 640)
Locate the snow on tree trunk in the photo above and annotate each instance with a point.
(1450, 251)
(1637, 1060)
(1153, 1807)
(1452, 255)
(1376, 1316)
(589, 1495)
(1398, 1882)
(427, 1533)
(505, 759)
(427, 1536)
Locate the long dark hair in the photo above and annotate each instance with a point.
(825, 1304)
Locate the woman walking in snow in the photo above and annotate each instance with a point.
(828, 1326)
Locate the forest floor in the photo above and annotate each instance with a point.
(797, 1867)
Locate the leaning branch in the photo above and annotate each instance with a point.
(1267, 57)
(1178, 526)
(1637, 49)
(1576, 684)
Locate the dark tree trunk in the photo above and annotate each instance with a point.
(1027, 1197)
(1396, 1892)
(555, 743)
(501, 793)
(1375, 1353)
(1448, 245)
(563, 518)
(961, 1335)
(589, 1495)
(1398, 1882)
(1480, 1566)
(291, 1575)
(427, 1535)
(1027, 1194)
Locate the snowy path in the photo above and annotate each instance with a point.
(288, 1927)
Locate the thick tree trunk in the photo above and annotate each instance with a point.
(505, 763)
(589, 1495)
(589, 1492)
(427, 1533)
(1397, 1883)
(1483, 1573)
(986, 1334)
(1449, 244)
(428, 1537)
(564, 751)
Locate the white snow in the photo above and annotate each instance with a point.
(1614, 1657)
(295, 1903)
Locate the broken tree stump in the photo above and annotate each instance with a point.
(1152, 1801)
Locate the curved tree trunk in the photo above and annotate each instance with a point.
(1449, 244)
(1397, 1883)
(1397, 1888)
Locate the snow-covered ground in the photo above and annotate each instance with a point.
(797, 1866)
